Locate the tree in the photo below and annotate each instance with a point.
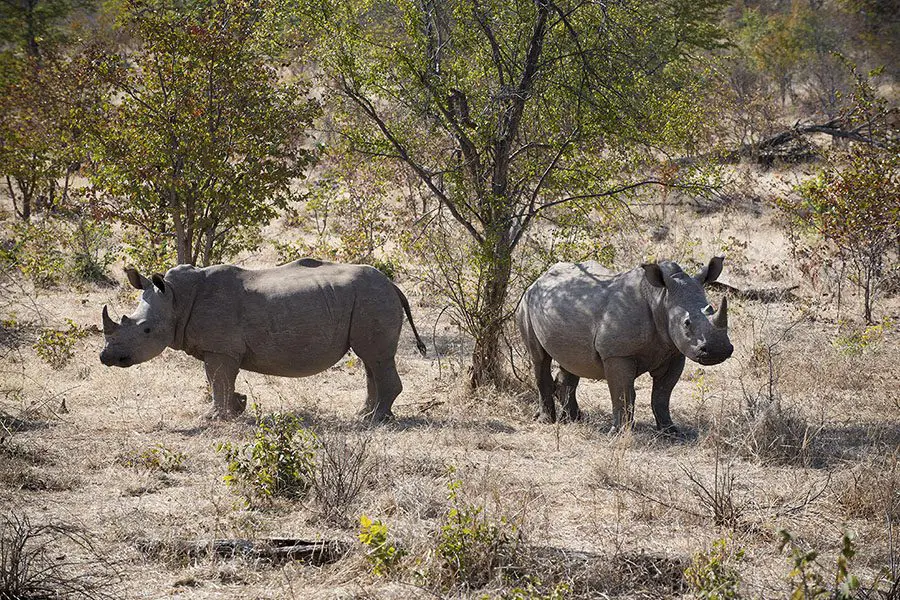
(505, 109)
(44, 80)
(207, 138)
(854, 202)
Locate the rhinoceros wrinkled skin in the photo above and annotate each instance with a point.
(602, 325)
(294, 320)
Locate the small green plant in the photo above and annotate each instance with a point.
(857, 342)
(382, 555)
(156, 458)
(533, 591)
(712, 575)
(471, 546)
(278, 461)
(807, 579)
(57, 348)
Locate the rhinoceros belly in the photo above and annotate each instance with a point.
(299, 362)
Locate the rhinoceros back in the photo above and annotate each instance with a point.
(294, 320)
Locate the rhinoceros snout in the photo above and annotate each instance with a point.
(109, 360)
(707, 357)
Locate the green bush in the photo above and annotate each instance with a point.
(156, 458)
(381, 554)
(278, 461)
(36, 250)
(858, 341)
(808, 577)
(712, 575)
(471, 546)
(56, 348)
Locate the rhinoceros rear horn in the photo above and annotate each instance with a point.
(720, 319)
(109, 326)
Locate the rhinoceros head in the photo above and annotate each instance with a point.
(698, 330)
(146, 332)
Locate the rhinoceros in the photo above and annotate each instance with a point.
(293, 321)
(602, 325)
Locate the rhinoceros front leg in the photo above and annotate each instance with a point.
(664, 380)
(620, 375)
(221, 372)
(566, 383)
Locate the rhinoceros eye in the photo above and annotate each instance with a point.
(146, 330)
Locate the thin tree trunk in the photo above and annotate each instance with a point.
(486, 357)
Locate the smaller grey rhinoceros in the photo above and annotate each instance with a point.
(602, 325)
(294, 320)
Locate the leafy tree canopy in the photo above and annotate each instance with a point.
(206, 137)
(505, 109)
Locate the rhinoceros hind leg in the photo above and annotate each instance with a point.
(387, 386)
(371, 394)
(221, 371)
(565, 385)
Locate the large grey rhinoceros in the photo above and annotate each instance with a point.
(602, 325)
(294, 320)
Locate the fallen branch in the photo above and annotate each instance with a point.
(277, 550)
(764, 295)
(765, 151)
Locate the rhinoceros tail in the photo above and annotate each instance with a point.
(419, 343)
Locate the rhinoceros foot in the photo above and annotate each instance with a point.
(566, 417)
(672, 433)
(377, 418)
(544, 417)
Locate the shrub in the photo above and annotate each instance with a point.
(858, 341)
(156, 458)
(344, 467)
(534, 591)
(471, 546)
(50, 561)
(278, 461)
(712, 575)
(55, 347)
(36, 250)
(808, 576)
(91, 256)
(717, 497)
(381, 554)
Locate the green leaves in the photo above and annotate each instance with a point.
(207, 138)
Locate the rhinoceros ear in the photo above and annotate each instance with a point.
(654, 274)
(711, 271)
(137, 281)
(158, 281)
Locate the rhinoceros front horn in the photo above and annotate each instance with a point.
(720, 318)
(109, 326)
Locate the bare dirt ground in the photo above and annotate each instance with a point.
(796, 431)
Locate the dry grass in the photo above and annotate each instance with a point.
(792, 433)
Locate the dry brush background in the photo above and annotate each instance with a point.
(798, 431)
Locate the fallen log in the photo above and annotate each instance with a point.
(275, 550)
